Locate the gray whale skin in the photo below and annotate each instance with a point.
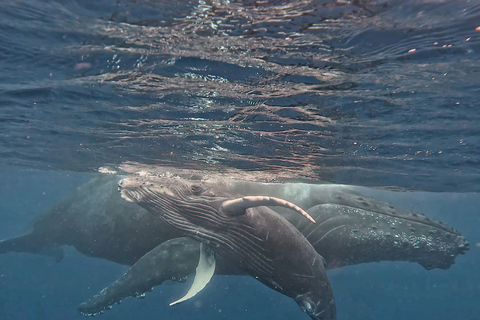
(351, 228)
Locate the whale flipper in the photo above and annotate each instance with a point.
(172, 260)
(203, 273)
(347, 235)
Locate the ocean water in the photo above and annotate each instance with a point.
(381, 94)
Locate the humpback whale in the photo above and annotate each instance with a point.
(98, 223)
(251, 235)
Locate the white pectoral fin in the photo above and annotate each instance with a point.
(203, 273)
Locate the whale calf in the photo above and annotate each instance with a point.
(257, 239)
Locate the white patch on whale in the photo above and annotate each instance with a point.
(203, 273)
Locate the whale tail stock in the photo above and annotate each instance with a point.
(30, 243)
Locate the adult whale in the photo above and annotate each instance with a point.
(97, 222)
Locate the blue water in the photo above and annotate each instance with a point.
(373, 93)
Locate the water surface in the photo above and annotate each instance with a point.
(375, 93)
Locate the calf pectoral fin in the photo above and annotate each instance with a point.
(237, 207)
(203, 273)
(173, 259)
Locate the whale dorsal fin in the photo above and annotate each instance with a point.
(203, 273)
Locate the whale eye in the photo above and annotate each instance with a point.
(196, 189)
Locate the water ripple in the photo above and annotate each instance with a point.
(376, 93)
